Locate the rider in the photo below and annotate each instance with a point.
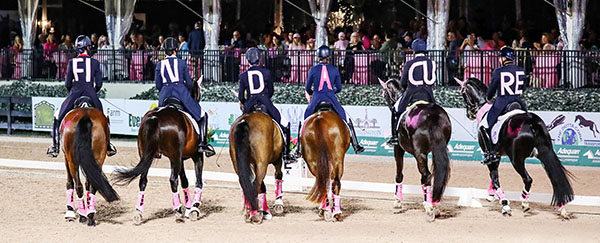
(418, 77)
(173, 80)
(321, 77)
(84, 78)
(508, 82)
(256, 87)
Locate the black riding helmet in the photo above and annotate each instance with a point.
(507, 53)
(170, 45)
(253, 55)
(82, 43)
(323, 52)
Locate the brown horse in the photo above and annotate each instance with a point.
(255, 141)
(84, 132)
(166, 131)
(324, 141)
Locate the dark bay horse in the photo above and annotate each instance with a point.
(425, 129)
(255, 141)
(166, 131)
(84, 132)
(520, 137)
(325, 138)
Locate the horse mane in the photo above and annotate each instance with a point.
(477, 84)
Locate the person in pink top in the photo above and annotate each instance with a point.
(341, 43)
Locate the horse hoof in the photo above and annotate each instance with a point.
(194, 214)
(82, 219)
(338, 217)
(138, 217)
(490, 198)
(564, 214)
(397, 204)
(278, 209)
(328, 216)
(91, 220)
(525, 206)
(267, 215)
(257, 218)
(506, 211)
(321, 212)
(429, 212)
(70, 216)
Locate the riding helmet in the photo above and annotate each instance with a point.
(508, 53)
(323, 52)
(253, 55)
(170, 44)
(419, 45)
(82, 43)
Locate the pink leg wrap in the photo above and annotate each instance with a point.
(399, 191)
(560, 208)
(176, 201)
(253, 212)
(81, 207)
(500, 194)
(262, 201)
(187, 198)
(524, 194)
(141, 202)
(325, 205)
(278, 190)
(70, 199)
(91, 203)
(428, 194)
(197, 194)
(491, 190)
(337, 208)
(246, 204)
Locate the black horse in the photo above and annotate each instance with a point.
(425, 129)
(523, 135)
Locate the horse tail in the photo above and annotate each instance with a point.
(150, 134)
(558, 174)
(319, 190)
(242, 158)
(84, 155)
(441, 162)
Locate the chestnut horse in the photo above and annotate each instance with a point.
(166, 131)
(325, 138)
(255, 141)
(84, 132)
(425, 129)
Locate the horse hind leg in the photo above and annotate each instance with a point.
(426, 186)
(81, 208)
(337, 206)
(518, 161)
(278, 207)
(175, 171)
(261, 171)
(495, 187)
(399, 157)
(194, 212)
(70, 213)
(91, 204)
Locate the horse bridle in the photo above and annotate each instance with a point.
(471, 106)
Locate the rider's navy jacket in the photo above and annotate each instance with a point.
(324, 81)
(418, 77)
(508, 83)
(256, 87)
(83, 78)
(173, 80)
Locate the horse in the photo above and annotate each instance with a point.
(587, 123)
(255, 141)
(425, 129)
(166, 131)
(523, 135)
(85, 132)
(324, 140)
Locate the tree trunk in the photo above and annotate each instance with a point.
(570, 15)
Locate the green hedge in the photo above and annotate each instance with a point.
(28, 89)
(587, 100)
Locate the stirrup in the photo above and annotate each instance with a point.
(207, 149)
(52, 152)
(358, 149)
(393, 141)
(111, 150)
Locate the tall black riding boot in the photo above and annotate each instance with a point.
(287, 133)
(489, 151)
(394, 138)
(110, 148)
(354, 140)
(53, 151)
(203, 146)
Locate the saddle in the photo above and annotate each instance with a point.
(408, 109)
(174, 103)
(83, 102)
(324, 106)
(259, 108)
(512, 109)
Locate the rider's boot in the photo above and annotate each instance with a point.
(489, 150)
(394, 139)
(110, 148)
(354, 140)
(203, 146)
(286, 143)
(54, 149)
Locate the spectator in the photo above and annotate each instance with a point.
(341, 43)
(235, 42)
(355, 44)
(49, 48)
(366, 41)
(275, 43)
(296, 43)
(310, 44)
(390, 41)
(196, 42)
(41, 41)
(452, 46)
(94, 39)
(18, 46)
(287, 39)
(376, 42)
(141, 43)
(495, 43)
(103, 42)
(66, 44)
(161, 40)
(183, 45)
(545, 39)
(50, 44)
(469, 43)
(407, 39)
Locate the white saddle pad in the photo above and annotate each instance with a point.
(501, 120)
